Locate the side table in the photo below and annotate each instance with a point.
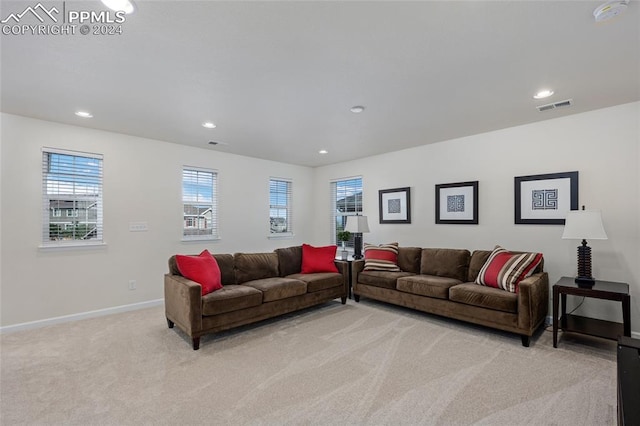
(348, 261)
(607, 290)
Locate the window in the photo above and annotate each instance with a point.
(346, 200)
(71, 182)
(199, 201)
(280, 215)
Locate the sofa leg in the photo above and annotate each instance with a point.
(196, 343)
(169, 323)
(356, 297)
(343, 299)
(525, 341)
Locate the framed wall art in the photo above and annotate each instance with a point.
(457, 203)
(395, 205)
(545, 199)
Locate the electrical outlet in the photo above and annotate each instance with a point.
(132, 284)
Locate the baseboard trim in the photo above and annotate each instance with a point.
(83, 315)
(549, 322)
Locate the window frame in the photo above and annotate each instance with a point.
(71, 177)
(288, 207)
(213, 206)
(358, 209)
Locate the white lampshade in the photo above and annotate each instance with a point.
(357, 224)
(584, 225)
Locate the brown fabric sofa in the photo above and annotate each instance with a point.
(256, 286)
(441, 281)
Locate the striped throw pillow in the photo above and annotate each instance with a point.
(381, 258)
(505, 270)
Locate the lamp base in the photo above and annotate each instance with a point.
(585, 282)
(357, 245)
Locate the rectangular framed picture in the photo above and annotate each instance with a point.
(545, 199)
(395, 205)
(457, 203)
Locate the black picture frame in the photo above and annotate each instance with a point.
(455, 209)
(545, 199)
(394, 205)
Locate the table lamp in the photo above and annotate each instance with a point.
(580, 225)
(357, 225)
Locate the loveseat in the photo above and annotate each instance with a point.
(442, 282)
(255, 286)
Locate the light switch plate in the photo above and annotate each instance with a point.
(138, 227)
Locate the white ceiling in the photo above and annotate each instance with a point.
(279, 78)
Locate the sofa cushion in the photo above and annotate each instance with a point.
(278, 288)
(450, 263)
(230, 298)
(227, 270)
(382, 279)
(202, 269)
(427, 285)
(255, 266)
(484, 297)
(289, 260)
(318, 259)
(505, 270)
(381, 258)
(319, 281)
(409, 259)
(478, 259)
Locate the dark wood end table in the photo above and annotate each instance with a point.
(348, 261)
(607, 290)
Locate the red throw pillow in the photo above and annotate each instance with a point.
(202, 269)
(505, 270)
(318, 259)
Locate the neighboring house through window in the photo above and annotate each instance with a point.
(71, 182)
(199, 201)
(280, 214)
(346, 200)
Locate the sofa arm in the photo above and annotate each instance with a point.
(357, 266)
(343, 268)
(183, 303)
(533, 300)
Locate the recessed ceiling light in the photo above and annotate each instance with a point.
(84, 114)
(209, 125)
(543, 94)
(357, 109)
(323, 151)
(127, 6)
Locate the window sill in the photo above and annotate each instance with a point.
(280, 236)
(199, 240)
(73, 246)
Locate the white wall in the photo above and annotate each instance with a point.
(142, 182)
(602, 145)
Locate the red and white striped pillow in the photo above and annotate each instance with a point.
(381, 258)
(505, 270)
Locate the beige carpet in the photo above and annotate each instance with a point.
(365, 363)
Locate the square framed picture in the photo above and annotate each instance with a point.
(457, 203)
(545, 199)
(395, 205)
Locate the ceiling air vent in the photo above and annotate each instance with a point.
(560, 104)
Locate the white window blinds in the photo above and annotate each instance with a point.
(72, 198)
(199, 201)
(280, 207)
(346, 200)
